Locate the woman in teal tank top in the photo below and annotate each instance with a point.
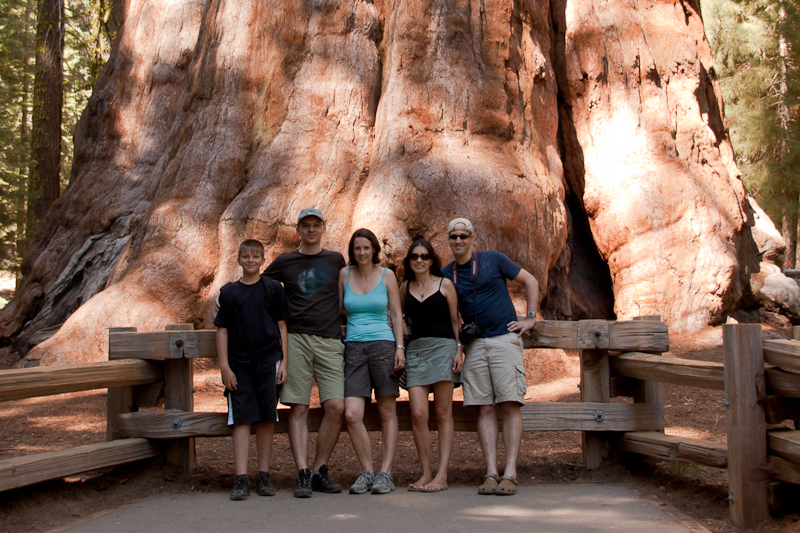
(373, 351)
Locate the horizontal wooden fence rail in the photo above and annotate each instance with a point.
(783, 383)
(671, 448)
(783, 353)
(27, 470)
(633, 335)
(541, 416)
(18, 384)
(701, 374)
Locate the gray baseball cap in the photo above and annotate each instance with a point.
(310, 212)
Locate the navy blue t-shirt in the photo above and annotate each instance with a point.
(251, 313)
(494, 309)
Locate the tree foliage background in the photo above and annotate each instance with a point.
(89, 28)
(761, 88)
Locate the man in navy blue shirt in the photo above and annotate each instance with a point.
(494, 370)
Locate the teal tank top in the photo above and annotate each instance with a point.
(367, 314)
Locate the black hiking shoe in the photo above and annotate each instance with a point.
(321, 482)
(264, 485)
(241, 489)
(303, 489)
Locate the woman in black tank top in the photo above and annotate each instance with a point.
(433, 357)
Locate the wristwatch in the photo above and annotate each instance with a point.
(531, 314)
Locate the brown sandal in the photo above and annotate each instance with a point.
(490, 484)
(507, 487)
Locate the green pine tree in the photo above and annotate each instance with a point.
(761, 102)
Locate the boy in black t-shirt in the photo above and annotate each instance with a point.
(251, 346)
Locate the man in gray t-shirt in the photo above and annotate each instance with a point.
(309, 276)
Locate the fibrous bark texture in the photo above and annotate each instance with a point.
(584, 139)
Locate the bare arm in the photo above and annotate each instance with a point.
(532, 299)
(449, 291)
(284, 349)
(403, 288)
(396, 314)
(342, 280)
(228, 377)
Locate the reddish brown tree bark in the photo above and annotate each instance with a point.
(586, 141)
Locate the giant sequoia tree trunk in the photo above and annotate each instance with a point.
(585, 140)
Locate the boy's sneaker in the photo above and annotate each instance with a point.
(303, 489)
(241, 489)
(264, 485)
(383, 483)
(321, 482)
(363, 483)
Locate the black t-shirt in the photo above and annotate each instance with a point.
(251, 313)
(311, 283)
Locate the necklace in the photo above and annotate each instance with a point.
(422, 289)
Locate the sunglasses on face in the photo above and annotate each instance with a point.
(462, 236)
(424, 257)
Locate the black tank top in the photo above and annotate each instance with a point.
(430, 317)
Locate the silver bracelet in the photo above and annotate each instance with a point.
(401, 347)
(459, 345)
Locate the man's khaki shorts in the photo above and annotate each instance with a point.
(494, 371)
(313, 358)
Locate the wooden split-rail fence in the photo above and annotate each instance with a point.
(761, 380)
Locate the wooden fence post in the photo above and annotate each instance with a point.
(595, 387)
(651, 392)
(178, 394)
(747, 430)
(119, 400)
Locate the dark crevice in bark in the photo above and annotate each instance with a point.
(710, 106)
(581, 269)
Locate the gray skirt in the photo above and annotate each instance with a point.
(430, 360)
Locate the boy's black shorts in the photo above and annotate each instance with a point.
(255, 399)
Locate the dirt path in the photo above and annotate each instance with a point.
(41, 424)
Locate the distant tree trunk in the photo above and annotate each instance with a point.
(43, 182)
(112, 17)
(789, 215)
(105, 24)
(789, 231)
(24, 132)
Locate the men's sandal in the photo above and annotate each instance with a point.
(507, 487)
(490, 484)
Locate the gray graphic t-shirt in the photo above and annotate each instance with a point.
(310, 282)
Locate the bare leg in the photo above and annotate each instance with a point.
(387, 407)
(264, 445)
(443, 403)
(298, 434)
(329, 430)
(487, 435)
(418, 400)
(354, 417)
(241, 447)
(512, 436)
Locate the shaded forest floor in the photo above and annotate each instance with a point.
(695, 494)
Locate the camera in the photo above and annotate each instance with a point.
(469, 332)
